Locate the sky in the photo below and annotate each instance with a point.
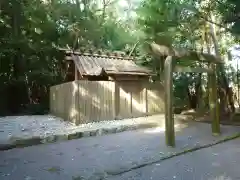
(125, 9)
(123, 3)
(235, 52)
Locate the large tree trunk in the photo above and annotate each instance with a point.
(221, 71)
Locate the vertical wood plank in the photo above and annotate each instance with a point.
(104, 100)
(76, 103)
(101, 104)
(116, 99)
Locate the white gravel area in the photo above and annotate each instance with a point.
(13, 127)
(25, 127)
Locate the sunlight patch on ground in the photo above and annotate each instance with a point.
(177, 127)
(223, 177)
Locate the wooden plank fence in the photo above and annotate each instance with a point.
(91, 101)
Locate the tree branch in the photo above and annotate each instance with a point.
(134, 47)
(215, 23)
(202, 16)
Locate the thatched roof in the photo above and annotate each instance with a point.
(95, 64)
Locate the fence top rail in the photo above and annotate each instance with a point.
(103, 82)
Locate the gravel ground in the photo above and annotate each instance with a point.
(26, 127)
(220, 162)
(107, 156)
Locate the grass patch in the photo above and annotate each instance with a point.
(54, 169)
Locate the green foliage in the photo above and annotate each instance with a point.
(230, 10)
(169, 22)
(32, 31)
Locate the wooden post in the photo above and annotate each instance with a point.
(216, 121)
(116, 101)
(146, 98)
(213, 101)
(75, 72)
(169, 119)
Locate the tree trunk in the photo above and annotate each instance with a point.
(199, 90)
(194, 96)
(221, 71)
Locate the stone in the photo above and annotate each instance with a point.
(86, 134)
(73, 136)
(27, 142)
(109, 130)
(94, 133)
(51, 138)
